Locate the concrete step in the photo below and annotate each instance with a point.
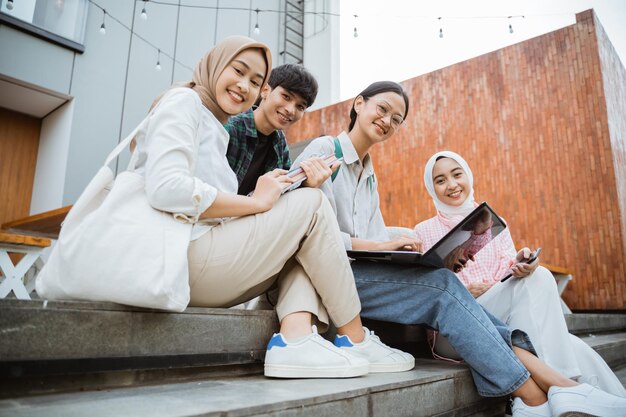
(413, 338)
(70, 346)
(584, 323)
(82, 345)
(612, 347)
(433, 389)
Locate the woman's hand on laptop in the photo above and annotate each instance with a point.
(404, 242)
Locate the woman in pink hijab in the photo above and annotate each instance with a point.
(528, 301)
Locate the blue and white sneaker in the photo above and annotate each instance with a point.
(311, 357)
(381, 357)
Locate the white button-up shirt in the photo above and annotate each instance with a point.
(354, 192)
(182, 154)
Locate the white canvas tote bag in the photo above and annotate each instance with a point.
(114, 246)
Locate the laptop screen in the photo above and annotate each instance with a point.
(468, 237)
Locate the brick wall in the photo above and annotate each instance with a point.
(614, 80)
(532, 121)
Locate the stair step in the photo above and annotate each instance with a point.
(433, 388)
(69, 346)
(104, 344)
(584, 323)
(612, 347)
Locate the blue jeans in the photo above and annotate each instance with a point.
(436, 298)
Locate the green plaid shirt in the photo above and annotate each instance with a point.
(243, 141)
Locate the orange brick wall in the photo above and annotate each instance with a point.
(614, 80)
(531, 120)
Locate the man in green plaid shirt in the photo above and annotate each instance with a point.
(257, 142)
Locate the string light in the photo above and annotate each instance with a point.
(9, 4)
(158, 64)
(257, 30)
(144, 14)
(440, 28)
(103, 29)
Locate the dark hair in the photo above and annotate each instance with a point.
(377, 88)
(295, 79)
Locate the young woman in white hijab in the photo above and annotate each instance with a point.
(528, 301)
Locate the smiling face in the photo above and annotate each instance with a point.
(278, 109)
(379, 115)
(452, 185)
(239, 85)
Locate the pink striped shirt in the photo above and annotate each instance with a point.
(491, 264)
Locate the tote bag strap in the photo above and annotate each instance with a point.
(126, 142)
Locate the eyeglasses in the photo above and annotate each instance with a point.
(395, 120)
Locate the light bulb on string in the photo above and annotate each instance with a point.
(257, 30)
(103, 29)
(510, 25)
(9, 4)
(355, 33)
(144, 14)
(440, 28)
(158, 64)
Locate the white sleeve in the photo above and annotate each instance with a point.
(172, 150)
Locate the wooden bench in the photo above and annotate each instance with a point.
(47, 224)
(16, 275)
(21, 244)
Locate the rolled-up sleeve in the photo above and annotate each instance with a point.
(172, 149)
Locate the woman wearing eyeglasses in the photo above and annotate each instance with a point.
(500, 358)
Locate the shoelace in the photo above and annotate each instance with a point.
(373, 336)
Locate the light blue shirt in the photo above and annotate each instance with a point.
(354, 192)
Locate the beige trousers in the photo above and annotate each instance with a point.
(296, 244)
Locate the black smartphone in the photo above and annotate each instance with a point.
(530, 260)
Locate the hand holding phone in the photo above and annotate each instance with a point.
(530, 260)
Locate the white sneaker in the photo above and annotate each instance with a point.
(310, 357)
(585, 400)
(381, 357)
(520, 409)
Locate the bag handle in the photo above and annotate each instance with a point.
(126, 142)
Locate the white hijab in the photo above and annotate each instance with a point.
(444, 209)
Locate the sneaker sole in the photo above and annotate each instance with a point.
(285, 371)
(391, 367)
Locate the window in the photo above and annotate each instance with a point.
(59, 21)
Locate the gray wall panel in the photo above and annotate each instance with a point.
(234, 22)
(35, 61)
(196, 35)
(98, 87)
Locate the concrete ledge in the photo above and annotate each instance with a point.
(82, 345)
(431, 389)
(612, 347)
(582, 324)
(79, 330)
